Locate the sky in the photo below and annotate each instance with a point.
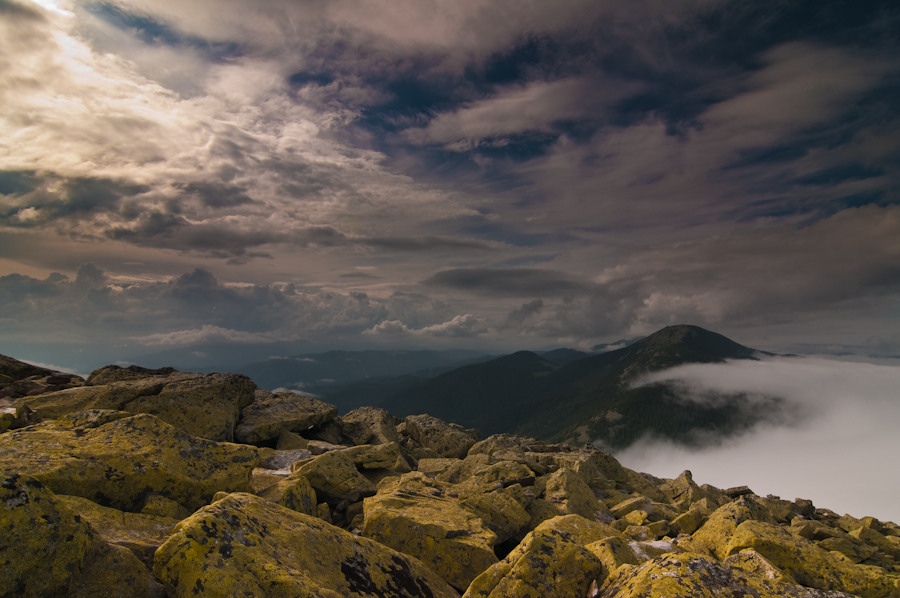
(488, 174)
(840, 453)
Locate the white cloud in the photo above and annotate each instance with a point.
(461, 326)
(839, 454)
(207, 334)
(530, 107)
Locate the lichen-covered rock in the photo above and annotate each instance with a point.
(370, 425)
(692, 575)
(598, 468)
(160, 506)
(46, 549)
(115, 572)
(500, 512)
(688, 522)
(614, 552)
(714, 535)
(435, 435)
(368, 457)
(335, 477)
(117, 459)
(806, 563)
(635, 503)
(436, 466)
(243, 545)
(684, 491)
(288, 440)
(270, 414)
(571, 495)
(414, 514)
(203, 405)
(20, 379)
(140, 533)
(295, 493)
(550, 561)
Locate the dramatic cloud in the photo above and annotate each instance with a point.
(834, 453)
(507, 173)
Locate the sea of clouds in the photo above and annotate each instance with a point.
(841, 452)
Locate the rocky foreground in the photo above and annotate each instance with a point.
(163, 483)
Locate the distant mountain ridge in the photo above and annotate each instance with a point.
(314, 372)
(589, 399)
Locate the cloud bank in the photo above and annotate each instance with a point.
(839, 453)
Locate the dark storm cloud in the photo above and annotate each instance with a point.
(507, 282)
(518, 317)
(34, 199)
(218, 195)
(568, 171)
(432, 243)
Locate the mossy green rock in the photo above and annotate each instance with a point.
(203, 405)
(47, 549)
(243, 545)
(270, 414)
(550, 561)
(415, 515)
(117, 460)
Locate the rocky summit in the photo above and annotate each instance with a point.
(161, 483)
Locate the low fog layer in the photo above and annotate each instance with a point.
(841, 453)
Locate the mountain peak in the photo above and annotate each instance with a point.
(685, 342)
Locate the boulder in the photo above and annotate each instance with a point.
(243, 545)
(270, 414)
(288, 440)
(203, 405)
(500, 512)
(117, 459)
(688, 522)
(436, 466)
(806, 563)
(160, 506)
(140, 533)
(437, 436)
(614, 552)
(414, 514)
(335, 477)
(692, 575)
(47, 549)
(714, 535)
(571, 495)
(635, 503)
(683, 490)
(114, 373)
(20, 379)
(295, 493)
(493, 477)
(551, 561)
(370, 425)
